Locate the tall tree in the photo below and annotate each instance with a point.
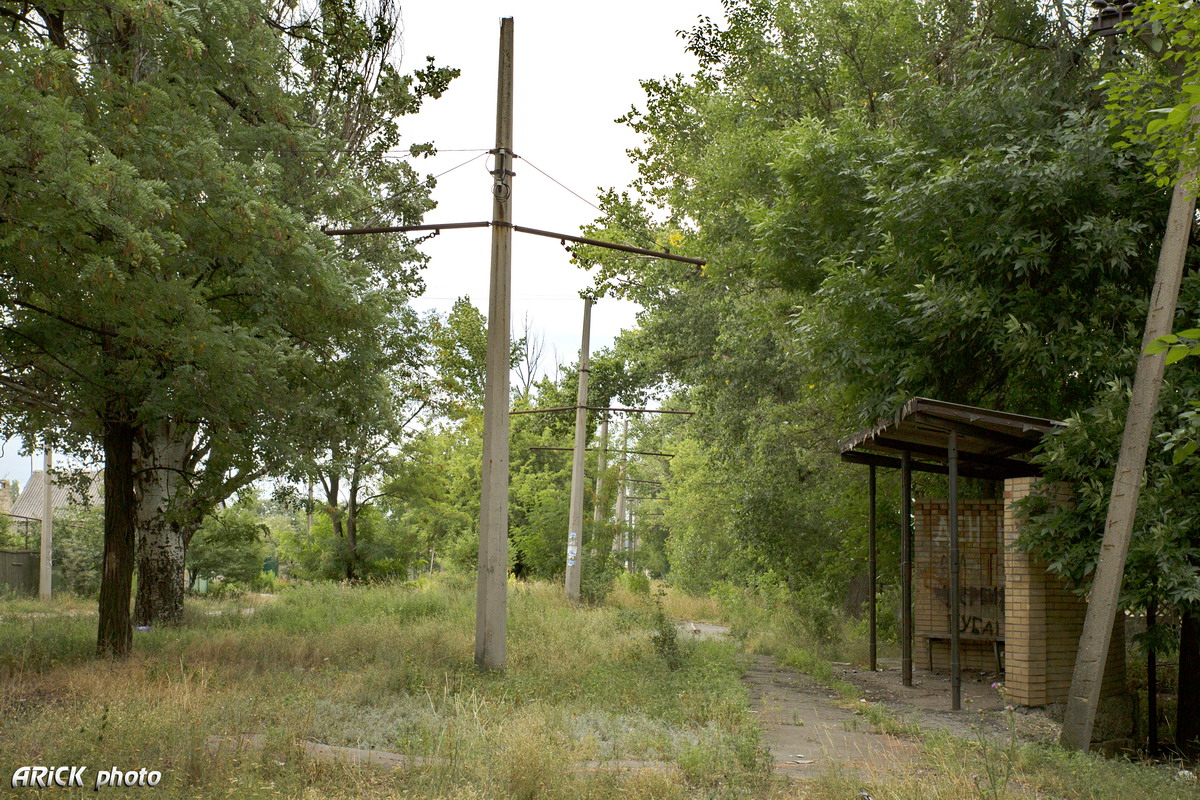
(892, 201)
(340, 73)
(156, 263)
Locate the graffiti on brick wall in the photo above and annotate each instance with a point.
(981, 608)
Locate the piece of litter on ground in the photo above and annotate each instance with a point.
(798, 755)
(801, 761)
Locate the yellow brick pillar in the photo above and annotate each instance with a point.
(1043, 621)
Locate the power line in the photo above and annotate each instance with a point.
(562, 185)
(463, 164)
(390, 153)
(377, 203)
(636, 235)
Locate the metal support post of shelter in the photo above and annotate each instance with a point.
(872, 569)
(906, 540)
(955, 600)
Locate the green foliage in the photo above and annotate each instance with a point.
(1164, 555)
(1181, 441)
(79, 549)
(163, 260)
(999, 763)
(229, 548)
(598, 574)
(386, 548)
(461, 347)
(666, 636)
(1153, 98)
(636, 583)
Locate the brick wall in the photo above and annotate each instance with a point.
(981, 582)
(1044, 620)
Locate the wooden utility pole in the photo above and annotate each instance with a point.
(491, 624)
(575, 523)
(45, 576)
(1127, 482)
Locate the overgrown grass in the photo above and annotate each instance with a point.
(806, 634)
(389, 667)
(954, 769)
(386, 667)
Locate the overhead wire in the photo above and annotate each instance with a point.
(645, 239)
(391, 153)
(463, 164)
(377, 203)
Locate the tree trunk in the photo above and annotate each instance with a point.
(115, 634)
(1187, 721)
(344, 524)
(161, 524)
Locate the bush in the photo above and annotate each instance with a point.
(79, 549)
(229, 550)
(636, 583)
(665, 637)
(597, 575)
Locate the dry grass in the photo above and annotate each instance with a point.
(676, 604)
(386, 667)
(390, 667)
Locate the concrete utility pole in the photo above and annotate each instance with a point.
(1127, 483)
(633, 539)
(575, 524)
(619, 541)
(491, 608)
(45, 577)
(601, 466)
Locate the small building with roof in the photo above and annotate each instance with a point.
(970, 599)
(29, 505)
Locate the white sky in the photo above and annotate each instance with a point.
(577, 67)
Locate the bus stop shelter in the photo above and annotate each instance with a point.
(948, 439)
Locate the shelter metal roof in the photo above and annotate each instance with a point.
(989, 442)
(29, 504)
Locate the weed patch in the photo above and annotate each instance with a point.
(386, 667)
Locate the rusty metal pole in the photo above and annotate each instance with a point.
(872, 567)
(955, 609)
(1152, 680)
(575, 523)
(906, 626)
(491, 606)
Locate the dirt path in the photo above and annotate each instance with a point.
(807, 733)
(927, 702)
(803, 727)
